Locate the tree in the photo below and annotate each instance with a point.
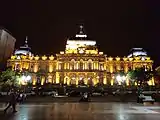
(9, 78)
(157, 76)
(140, 75)
(121, 73)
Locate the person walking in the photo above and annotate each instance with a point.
(12, 102)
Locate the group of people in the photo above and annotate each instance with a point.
(14, 97)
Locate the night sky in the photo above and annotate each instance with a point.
(117, 26)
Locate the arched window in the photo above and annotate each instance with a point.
(62, 65)
(72, 64)
(81, 64)
(89, 64)
(101, 67)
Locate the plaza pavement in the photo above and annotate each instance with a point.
(83, 111)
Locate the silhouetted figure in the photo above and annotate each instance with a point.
(12, 102)
(140, 90)
(85, 97)
(20, 98)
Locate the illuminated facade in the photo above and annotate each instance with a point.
(81, 62)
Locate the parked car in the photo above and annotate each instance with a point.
(50, 93)
(145, 98)
(116, 92)
(120, 92)
(97, 94)
(31, 93)
(73, 93)
(4, 93)
(150, 92)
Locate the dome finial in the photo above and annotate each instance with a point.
(26, 41)
(81, 29)
(81, 33)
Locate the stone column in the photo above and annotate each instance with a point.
(86, 65)
(57, 78)
(35, 67)
(34, 79)
(50, 67)
(104, 80)
(118, 67)
(111, 68)
(125, 68)
(42, 80)
(68, 81)
(57, 66)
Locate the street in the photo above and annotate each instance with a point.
(49, 99)
(82, 111)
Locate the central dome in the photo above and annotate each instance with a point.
(24, 50)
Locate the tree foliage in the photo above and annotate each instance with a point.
(140, 75)
(157, 76)
(121, 73)
(8, 77)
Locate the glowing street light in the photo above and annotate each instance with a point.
(24, 79)
(120, 79)
(28, 78)
(123, 78)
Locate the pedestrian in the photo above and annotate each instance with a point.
(20, 98)
(12, 102)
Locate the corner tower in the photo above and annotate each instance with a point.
(24, 50)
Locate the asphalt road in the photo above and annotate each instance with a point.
(46, 99)
(82, 111)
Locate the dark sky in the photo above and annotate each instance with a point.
(116, 25)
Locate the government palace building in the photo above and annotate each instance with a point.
(80, 62)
